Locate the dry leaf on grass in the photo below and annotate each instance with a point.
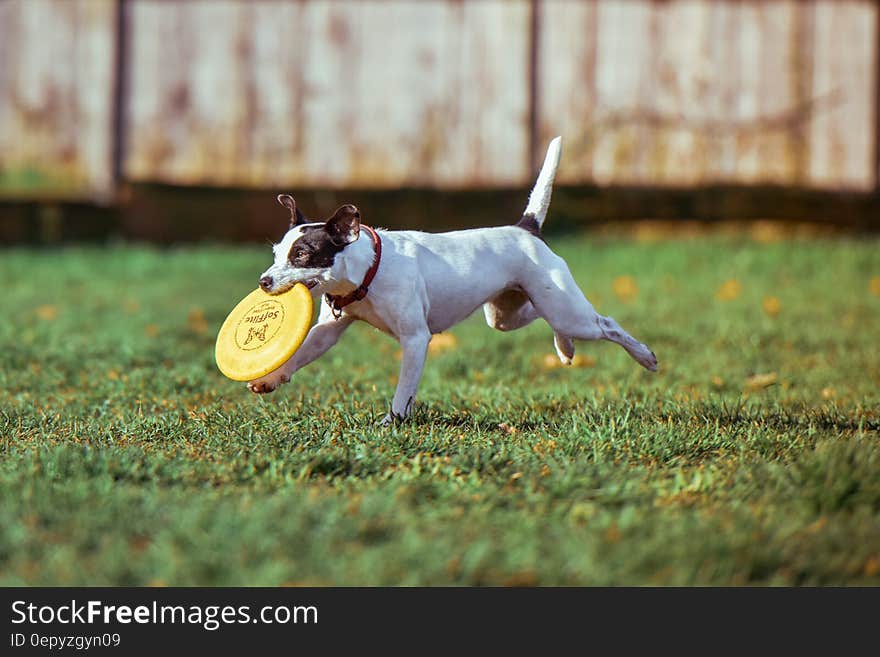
(47, 313)
(625, 288)
(771, 306)
(509, 430)
(551, 361)
(759, 381)
(196, 321)
(442, 342)
(612, 534)
(729, 290)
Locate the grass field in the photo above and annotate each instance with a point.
(752, 457)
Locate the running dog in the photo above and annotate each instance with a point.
(411, 285)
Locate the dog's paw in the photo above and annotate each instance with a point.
(649, 362)
(393, 419)
(267, 383)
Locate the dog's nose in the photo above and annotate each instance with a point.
(266, 283)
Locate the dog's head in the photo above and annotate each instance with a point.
(308, 251)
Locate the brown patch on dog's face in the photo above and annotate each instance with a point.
(308, 250)
(315, 249)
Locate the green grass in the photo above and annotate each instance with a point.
(128, 459)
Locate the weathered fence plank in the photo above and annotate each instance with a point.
(384, 94)
(56, 82)
(372, 94)
(843, 62)
(690, 92)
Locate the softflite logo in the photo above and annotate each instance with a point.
(259, 325)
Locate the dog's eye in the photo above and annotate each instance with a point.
(299, 254)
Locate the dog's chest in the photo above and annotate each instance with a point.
(367, 312)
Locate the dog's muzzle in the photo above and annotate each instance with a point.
(267, 283)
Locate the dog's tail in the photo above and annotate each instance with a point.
(539, 199)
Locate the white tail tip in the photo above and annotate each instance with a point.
(539, 199)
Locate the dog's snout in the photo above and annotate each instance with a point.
(266, 283)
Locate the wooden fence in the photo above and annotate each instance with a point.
(380, 94)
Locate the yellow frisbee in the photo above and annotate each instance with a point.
(262, 332)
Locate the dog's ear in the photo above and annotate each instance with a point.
(345, 225)
(296, 217)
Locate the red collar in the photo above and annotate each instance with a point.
(338, 302)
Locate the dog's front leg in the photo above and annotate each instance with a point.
(415, 350)
(321, 337)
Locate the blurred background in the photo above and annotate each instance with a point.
(179, 120)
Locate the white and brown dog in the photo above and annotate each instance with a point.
(412, 284)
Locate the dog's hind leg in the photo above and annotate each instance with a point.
(509, 310)
(640, 352)
(564, 347)
(559, 300)
(512, 309)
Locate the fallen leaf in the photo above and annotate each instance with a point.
(612, 534)
(523, 578)
(47, 313)
(625, 288)
(442, 342)
(817, 525)
(551, 361)
(509, 430)
(759, 381)
(544, 447)
(729, 290)
(771, 306)
(196, 321)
